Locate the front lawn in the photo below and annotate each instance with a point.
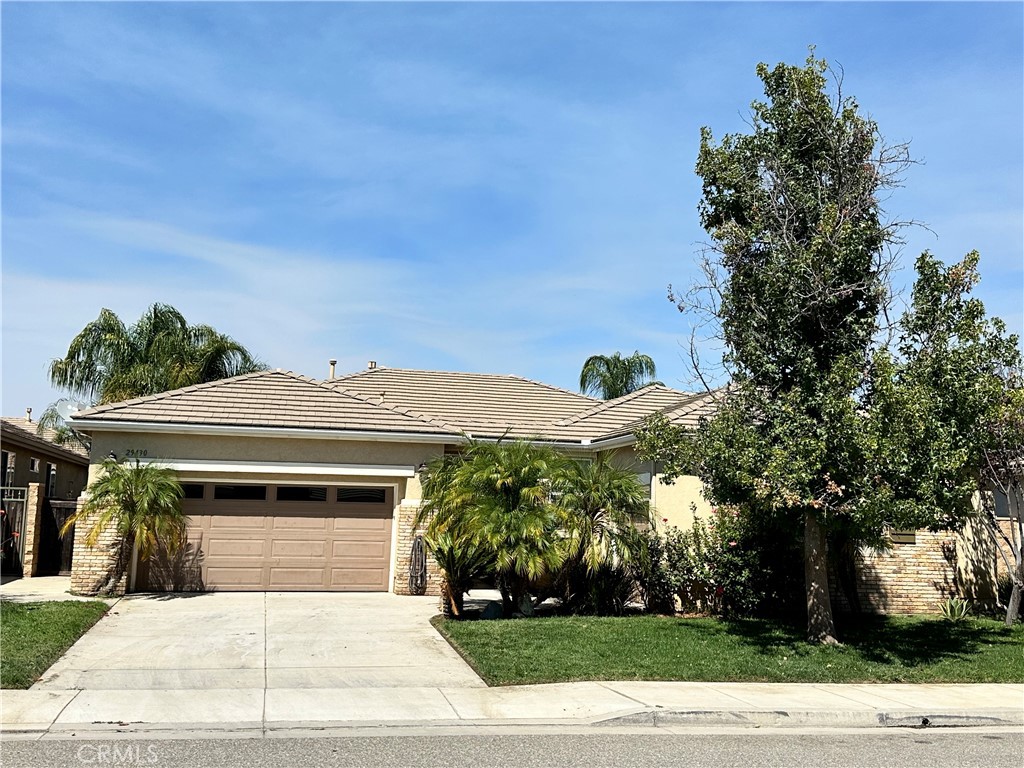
(34, 635)
(877, 650)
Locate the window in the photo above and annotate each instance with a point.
(903, 537)
(240, 492)
(301, 493)
(362, 495)
(192, 490)
(1003, 507)
(33, 465)
(644, 478)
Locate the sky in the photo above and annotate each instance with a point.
(491, 187)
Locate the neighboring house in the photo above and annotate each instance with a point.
(41, 480)
(297, 484)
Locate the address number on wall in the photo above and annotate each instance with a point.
(136, 453)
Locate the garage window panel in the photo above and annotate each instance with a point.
(362, 495)
(302, 493)
(192, 490)
(240, 492)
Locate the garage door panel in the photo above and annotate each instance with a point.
(362, 523)
(373, 550)
(319, 523)
(245, 522)
(235, 547)
(298, 548)
(285, 545)
(228, 577)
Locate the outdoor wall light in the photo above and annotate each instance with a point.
(112, 456)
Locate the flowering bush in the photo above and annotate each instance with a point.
(732, 563)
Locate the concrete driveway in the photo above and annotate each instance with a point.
(274, 640)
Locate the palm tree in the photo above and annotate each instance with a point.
(108, 361)
(496, 496)
(615, 376)
(143, 503)
(601, 506)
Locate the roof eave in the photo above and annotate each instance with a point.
(228, 430)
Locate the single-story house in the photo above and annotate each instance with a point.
(40, 481)
(293, 483)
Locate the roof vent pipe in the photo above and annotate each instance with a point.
(28, 414)
(371, 365)
(330, 372)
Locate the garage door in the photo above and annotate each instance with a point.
(246, 537)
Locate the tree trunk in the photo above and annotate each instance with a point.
(820, 626)
(1014, 607)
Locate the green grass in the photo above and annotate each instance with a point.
(34, 635)
(876, 649)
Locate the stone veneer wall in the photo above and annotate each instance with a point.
(90, 565)
(908, 578)
(1009, 529)
(406, 534)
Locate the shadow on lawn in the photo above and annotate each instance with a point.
(876, 639)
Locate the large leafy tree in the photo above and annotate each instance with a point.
(946, 413)
(142, 502)
(109, 361)
(614, 376)
(799, 262)
(822, 425)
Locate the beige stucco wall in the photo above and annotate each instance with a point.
(673, 504)
(677, 504)
(270, 450)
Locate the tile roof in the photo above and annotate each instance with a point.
(482, 404)
(264, 399)
(401, 400)
(610, 417)
(46, 438)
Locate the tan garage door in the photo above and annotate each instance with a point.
(337, 540)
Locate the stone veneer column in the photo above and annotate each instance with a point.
(33, 528)
(406, 534)
(90, 565)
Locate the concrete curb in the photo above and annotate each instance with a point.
(648, 718)
(817, 718)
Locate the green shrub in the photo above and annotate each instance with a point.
(606, 591)
(651, 574)
(462, 561)
(734, 563)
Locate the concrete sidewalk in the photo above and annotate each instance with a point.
(54, 713)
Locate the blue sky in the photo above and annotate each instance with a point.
(488, 187)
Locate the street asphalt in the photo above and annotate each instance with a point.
(980, 748)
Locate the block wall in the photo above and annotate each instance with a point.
(32, 529)
(91, 565)
(406, 534)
